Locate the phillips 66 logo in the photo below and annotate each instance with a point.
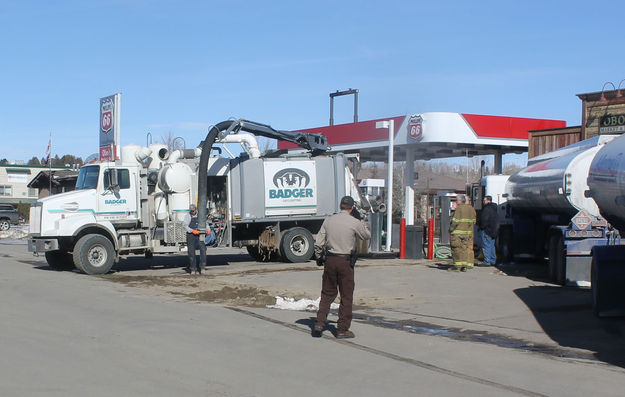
(415, 127)
(106, 115)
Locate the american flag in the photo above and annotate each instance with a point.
(48, 150)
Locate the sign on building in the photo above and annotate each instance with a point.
(612, 124)
(109, 127)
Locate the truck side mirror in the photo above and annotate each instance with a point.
(111, 180)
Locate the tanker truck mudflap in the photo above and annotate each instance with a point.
(608, 281)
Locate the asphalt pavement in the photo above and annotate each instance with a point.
(419, 331)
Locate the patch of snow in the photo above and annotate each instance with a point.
(301, 304)
(14, 233)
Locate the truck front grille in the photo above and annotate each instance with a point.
(34, 226)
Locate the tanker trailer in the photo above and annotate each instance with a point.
(606, 181)
(549, 214)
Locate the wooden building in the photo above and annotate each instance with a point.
(603, 112)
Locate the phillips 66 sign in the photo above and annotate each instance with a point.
(415, 127)
(109, 127)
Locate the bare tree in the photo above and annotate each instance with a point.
(172, 142)
(266, 144)
(375, 172)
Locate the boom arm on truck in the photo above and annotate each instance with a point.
(314, 143)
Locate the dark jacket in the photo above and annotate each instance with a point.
(489, 222)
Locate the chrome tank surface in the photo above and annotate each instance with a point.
(555, 182)
(606, 181)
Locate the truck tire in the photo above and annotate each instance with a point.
(594, 286)
(557, 259)
(505, 244)
(59, 260)
(4, 225)
(297, 245)
(553, 266)
(94, 254)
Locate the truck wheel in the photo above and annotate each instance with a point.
(94, 254)
(553, 265)
(559, 262)
(59, 260)
(505, 241)
(594, 287)
(4, 224)
(297, 245)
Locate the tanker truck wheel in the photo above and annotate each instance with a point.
(596, 303)
(59, 260)
(297, 245)
(94, 254)
(557, 259)
(553, 239)
(505, 244)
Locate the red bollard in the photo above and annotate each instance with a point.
(402, 238)
(431, 238)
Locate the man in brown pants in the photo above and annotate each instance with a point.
(337, 237)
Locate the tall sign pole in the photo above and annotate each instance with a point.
(109, 127)
(390, 124)
(50, 163)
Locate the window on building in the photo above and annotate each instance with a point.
(32, 192)
(6, 190)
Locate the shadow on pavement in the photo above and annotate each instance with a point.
(565, 314)
(139, 262)
(440, 266)
(530, 270)
(310, 323)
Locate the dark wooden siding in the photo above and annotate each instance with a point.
(544, 141)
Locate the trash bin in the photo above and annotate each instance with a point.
(414, 242)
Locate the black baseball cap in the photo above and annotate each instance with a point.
(347, 201)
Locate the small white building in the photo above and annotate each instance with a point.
(14, 180)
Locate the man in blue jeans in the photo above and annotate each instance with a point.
(489, 227)
(193, 241)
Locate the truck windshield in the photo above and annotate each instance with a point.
(88, 177)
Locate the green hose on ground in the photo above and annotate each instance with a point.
(442, 251)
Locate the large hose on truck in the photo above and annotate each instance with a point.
(202, 183)
(315, 143)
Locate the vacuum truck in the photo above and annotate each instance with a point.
(606, 182)
(272, 205)
(545, 212)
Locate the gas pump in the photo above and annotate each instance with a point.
(444, 204)
(373, 190)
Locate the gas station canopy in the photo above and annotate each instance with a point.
(433, 135)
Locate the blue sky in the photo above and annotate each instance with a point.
(182, 66)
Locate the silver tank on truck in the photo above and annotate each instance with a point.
(555, 182)
(606, 181)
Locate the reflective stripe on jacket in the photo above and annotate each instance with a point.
(463, 220)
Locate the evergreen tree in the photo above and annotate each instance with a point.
(34, 161)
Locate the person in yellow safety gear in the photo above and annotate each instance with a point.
(461, 230)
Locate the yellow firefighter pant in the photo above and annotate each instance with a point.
(462, 249)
